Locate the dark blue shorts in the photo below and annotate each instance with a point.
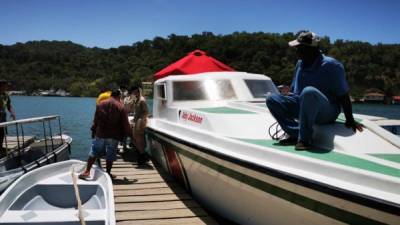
(104, 146)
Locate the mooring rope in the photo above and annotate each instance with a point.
(78, 197)
(276, 132)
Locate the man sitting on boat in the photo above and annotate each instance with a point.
(5, 104)
(110, 125)
(318, 91)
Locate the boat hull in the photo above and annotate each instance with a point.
(249, 194)
(61, 153)
(48, 195)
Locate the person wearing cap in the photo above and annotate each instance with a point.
(110, 125)
(140, 121)
(318, 91)
(104, 95)
(5, 104)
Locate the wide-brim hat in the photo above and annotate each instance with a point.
(306, 38)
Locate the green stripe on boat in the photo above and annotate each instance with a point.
(342, 119)
(330, 156)
(224, 110)
(389, 157)
(300, 200)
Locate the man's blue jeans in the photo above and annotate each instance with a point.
(297, 114)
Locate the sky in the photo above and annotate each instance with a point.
(112, 23)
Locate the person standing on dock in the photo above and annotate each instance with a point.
(140, 121)
(124, 92)
(318, 91)
(5, 104)
(110, 125)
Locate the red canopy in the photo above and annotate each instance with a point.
(195, 62)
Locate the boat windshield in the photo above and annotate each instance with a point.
(203, 90)
(261, 88)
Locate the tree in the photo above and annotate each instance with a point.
(84, 71)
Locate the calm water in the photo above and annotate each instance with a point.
(77, 114)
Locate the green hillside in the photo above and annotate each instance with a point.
(84, 71)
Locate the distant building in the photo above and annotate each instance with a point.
(61, 92)
(396, 99)
(23, 92)
(375, 97)
(52, 92)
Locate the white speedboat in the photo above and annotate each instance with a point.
(210, 131)
(49, 195)
(26, 154)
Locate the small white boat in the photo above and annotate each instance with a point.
(25, 154)
(47, 196)
(210, 131)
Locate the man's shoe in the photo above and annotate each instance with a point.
(302, 145)
(84, 176)
(142, 159)
(112, 176)
(288, 141)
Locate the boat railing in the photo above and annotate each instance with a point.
(21, 142)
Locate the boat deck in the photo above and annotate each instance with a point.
(147, 195)
(11, 142)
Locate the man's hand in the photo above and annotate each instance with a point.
(13, 116)
(354, 125)
(284, 89)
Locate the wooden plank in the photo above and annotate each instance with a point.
(146, 178)
(127, 166)
(132, 179)
(118, 162)
(149, 196)
(141, 176)
(120, 165)
(153, 198)
(176, 221)
(121, 162)
(160, 214)
(134, 173)
(136, 186)
(152, 191)
(131, 171)
(156, 205)
(133, 165)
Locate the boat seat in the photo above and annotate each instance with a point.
(59, 197)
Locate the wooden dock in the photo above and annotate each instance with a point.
(147, 195)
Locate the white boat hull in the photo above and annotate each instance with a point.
(214, 134)
(46, 196)
(248, 194)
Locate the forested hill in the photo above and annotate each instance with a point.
(83, 71)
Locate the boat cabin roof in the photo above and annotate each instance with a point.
(215, 86)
